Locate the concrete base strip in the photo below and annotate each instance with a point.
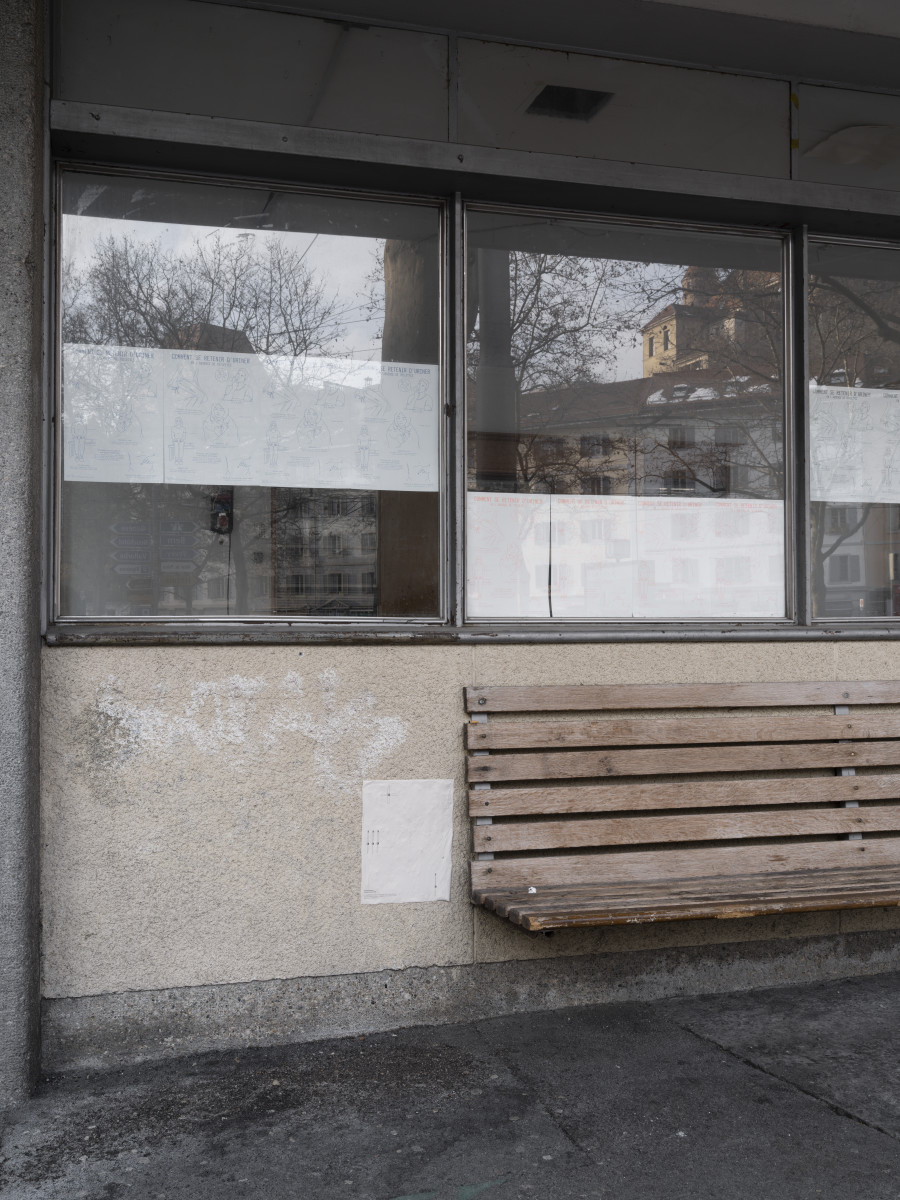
(96, 1032)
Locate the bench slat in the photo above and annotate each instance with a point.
(640, 865)
(616, 797)
(623, 831)
(546, 735)
(625, 892)
(551, 698)
(564, 764)
(740, 896)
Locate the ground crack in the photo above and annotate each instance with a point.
(525, 1082)
(837, 1109)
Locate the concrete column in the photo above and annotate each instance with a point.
(21, 232)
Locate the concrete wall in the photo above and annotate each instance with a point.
(202, 807)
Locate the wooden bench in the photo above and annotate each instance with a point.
(584, 819)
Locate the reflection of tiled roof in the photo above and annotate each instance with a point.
(637, 400)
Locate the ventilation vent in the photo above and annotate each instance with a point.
(574, 104)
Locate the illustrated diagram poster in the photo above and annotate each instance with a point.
(407, 835)
(507, 561)
(114, 415)
(711, 558)
(592, 553)
(609, 557)
(192, 416)
(854, 445)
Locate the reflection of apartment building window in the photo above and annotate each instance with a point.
(594, 445)
(260, 585)
(731, 477)
(217, 587)
(545, 448)
(685, 570)
(843, 568)
(682, 437)
(841, 517)
(367, 505)
(369, 543)
(335, 583)
(678, 481)
(367, 581)
(597, 485)
(334, 506)
(728, 435)
(333, 543)
(297, 585)
(733, 570)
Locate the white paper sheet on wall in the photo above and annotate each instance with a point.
(854, 445)
(644, 557)
(194, 416)
(407, 835)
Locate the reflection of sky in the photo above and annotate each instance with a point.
(342, 263)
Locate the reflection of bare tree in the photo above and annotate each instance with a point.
(706, 418)
(244, 295)
(136, 293)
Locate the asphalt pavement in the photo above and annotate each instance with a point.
(785, 1093)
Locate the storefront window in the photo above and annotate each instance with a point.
(251, 402)
(625, 422)
(854, 368)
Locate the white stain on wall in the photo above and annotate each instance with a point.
(350, 737)
(247, 716)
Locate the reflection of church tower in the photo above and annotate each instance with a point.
(700, 287)
(677, 337)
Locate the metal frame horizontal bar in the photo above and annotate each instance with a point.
(77, 126)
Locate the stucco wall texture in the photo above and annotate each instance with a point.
(202, 806)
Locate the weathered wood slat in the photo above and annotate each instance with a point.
(639, 865)
(625, 831)
(616, 797)
(581, 764)
(537, 919)
(673, 899)
(654, 892)
(673, 731)
(561, 900)
(550, 698)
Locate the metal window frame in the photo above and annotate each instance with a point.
(793, 515)
(785, 215)
(59, 626)
(835, 624)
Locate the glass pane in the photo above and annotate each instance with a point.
(251, 403)
(625, 422)
(854, 368)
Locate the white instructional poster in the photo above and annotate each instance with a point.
(616, 557)
(114, 414)
(507, 537)
(854, 445)
(195, 416)
(407, 835)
